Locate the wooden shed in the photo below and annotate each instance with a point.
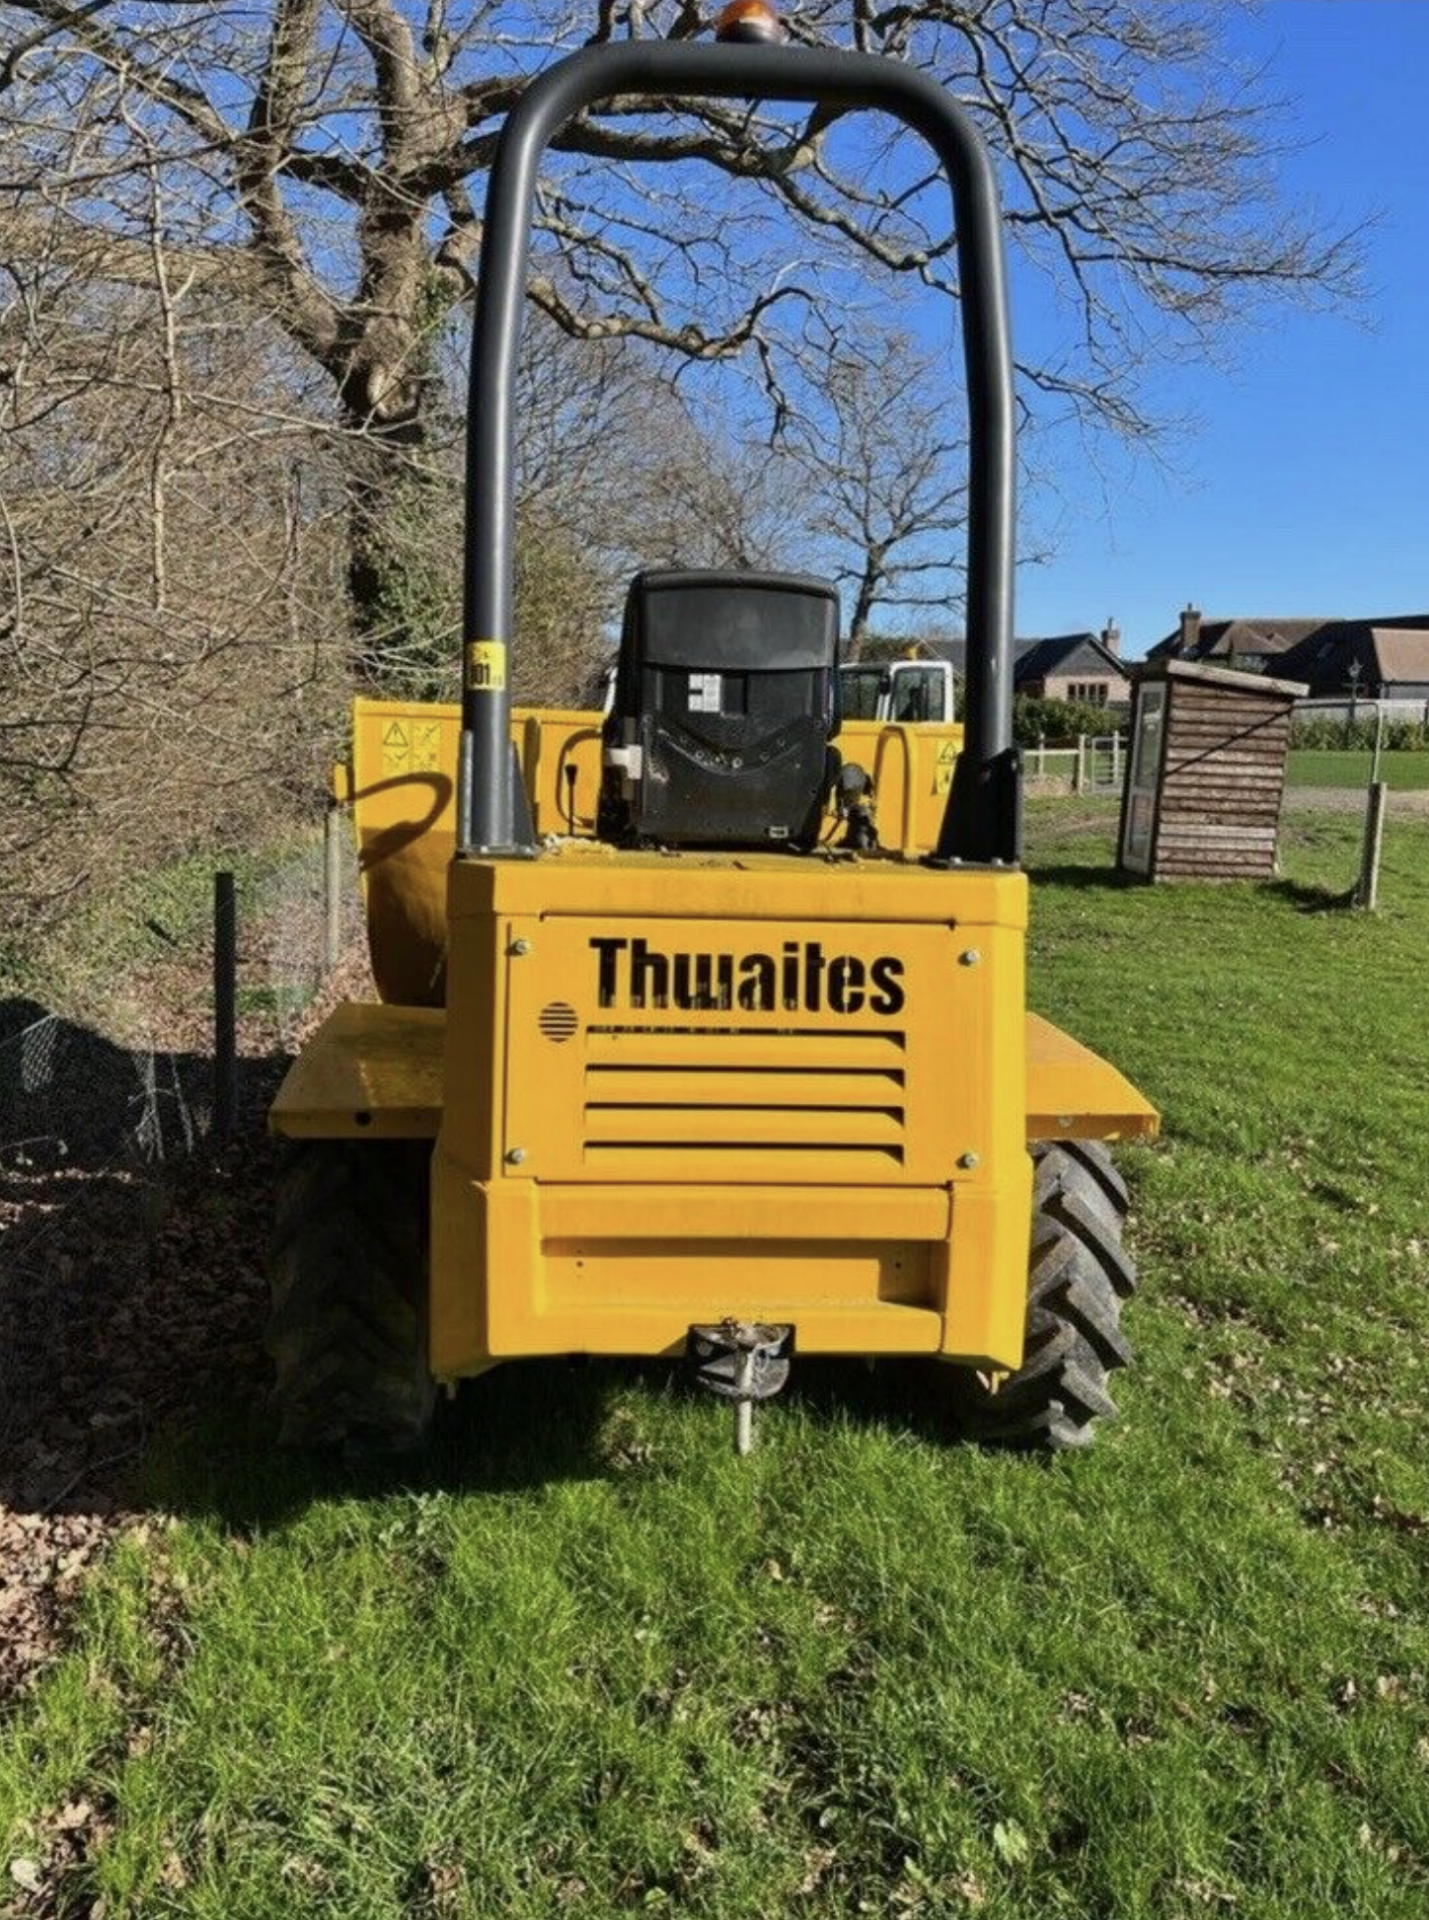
(1206, 772)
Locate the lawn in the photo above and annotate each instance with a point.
(587, 1663)
(1322, 767)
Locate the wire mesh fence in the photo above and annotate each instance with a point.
(116, 1078)
(303, 915)
(66, 1090)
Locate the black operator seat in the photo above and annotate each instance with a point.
(726, 700)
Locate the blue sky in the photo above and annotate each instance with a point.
(1303, 484)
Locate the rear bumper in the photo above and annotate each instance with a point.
(521, 1268)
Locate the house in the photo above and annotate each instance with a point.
(1071, 666)
(1385, 658)
(1085, 667)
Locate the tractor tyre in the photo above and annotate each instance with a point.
(348, 1326)
(1079, 1274)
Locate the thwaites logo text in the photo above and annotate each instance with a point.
(799, 978)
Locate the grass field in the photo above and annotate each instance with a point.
(588, 1663)
(1404, 772)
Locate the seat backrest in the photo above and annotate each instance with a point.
(725, 702)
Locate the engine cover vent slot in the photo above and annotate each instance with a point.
(558, 1020)
(713, 1093)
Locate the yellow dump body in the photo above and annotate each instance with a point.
(401, 783)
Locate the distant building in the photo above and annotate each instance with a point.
(1384, 658)
(1070, 666)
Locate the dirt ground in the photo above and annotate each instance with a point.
(127, 1293)
(1412, 805)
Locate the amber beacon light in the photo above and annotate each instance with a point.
(751, 20)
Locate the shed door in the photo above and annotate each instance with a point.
(1141, 781)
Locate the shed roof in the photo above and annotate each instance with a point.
(1233, 681)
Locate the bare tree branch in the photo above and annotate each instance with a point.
(318, 161)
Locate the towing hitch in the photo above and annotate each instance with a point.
(742, 1362)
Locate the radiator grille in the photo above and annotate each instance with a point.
(718, 1094)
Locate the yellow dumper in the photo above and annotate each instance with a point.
(702, 1027)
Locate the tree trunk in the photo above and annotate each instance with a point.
(375, 562)
(863, 607)
(385, 421)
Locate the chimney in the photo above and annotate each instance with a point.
(1111, 635)
(1190, 629)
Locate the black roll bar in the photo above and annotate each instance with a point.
(981, 819)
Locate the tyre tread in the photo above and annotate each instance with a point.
(1079, 1276)
(347, 1326)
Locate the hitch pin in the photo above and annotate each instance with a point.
(744, 1404)
(743, 1362)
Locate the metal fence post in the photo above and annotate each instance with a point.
(332, 888)
(1367, 891)
(1116, 762)
(1079, 775)
(225, 1004)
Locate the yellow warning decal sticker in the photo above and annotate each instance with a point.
(396, 748)
(411, 746)
(426, 746)
(943, 774)
(486, 666)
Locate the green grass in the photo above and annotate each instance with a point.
(1323, 767)
(283, 1001)
(588, 1663)
(123, 925)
